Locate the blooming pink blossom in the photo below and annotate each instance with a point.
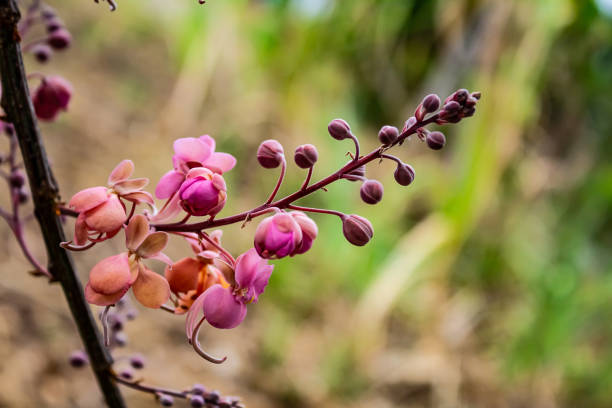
(278, 236)
(203, 192)
(225, 307)
(100, 208)
(52, 96)
(112, 277)
(309, 231)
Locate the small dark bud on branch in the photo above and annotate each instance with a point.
(78, 359)
(270, 154)
(357, 230)
(17, 179)
(59, 39)
(339, 129)
(404, 174)
(436, 140)
(306, 156)
(388, 134)
(371, 191)
(431, 103)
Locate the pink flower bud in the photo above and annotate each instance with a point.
(404, 174)
(306, 156)
(252, 274)
(357, 230)
(436, 140)
(221, 308)
(270, 154)
(51, 96)
(339, 129)
(388, 134)
(203, 192)
(277, 236)
(371, 191)
(53, 24)
(309, 231)
(42, 52)
(59, 39)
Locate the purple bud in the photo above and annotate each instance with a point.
(431, 103)
(51, 97)
(127, 374)
(277, 236)
(131, 314)
(198, 389)
(17, 179)
(436, 140)
(339, 129)
(404, 174)
(59, 39)
(306, 156)
(388, 134)
(166, 400)
(461, 95)
(47, 12)
(42, 52)
(78, 359)
(309, 231)
(137, 361)
(196, 401)
(214, 396)
(371, 191)
(452, 107)
(357, 230)
(116, 321)
(23, 196)
(54, 24)
(203, 192)
(270, 154)
(120, 339)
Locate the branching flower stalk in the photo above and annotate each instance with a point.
(210, 285)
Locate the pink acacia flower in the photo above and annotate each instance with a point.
(225, 307)
(203, 192)
(100, 208)
(189, 153)
(283, 234)
(112, 277)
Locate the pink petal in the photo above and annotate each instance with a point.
(99, 299)
(190, 149)
(220, 162)
(171, 209)
(136, 232)
(89, 198)
(221, 309)
(151, 289)
(123, 171)
(140, 197)
(160, 256)
(110, 275)
(107, 217)
(130, 186)
(153, 244)
(169, 184)
(209, 141)
(193, 316)
(80, 230)
(183, 275)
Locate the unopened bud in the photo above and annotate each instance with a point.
(452, 107)
(196, 401)
(371, 191)
(306, 156)
(460, 96)
(198, 389)
(270, 154)
(78, 359)
(388, 134)
(214, 396)
(404, 174)
(166, 400)
(436, 140)
(53, 24)
(120, 339)
(137, 361)
(42, 52)
(431, 103)
(59, 39)
(17, 179)
(23, 196)
(339, 129)
(127, 374)
(357, 230)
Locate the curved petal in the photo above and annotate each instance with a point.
(220, 162)
(80, 230)
(131, 185)
(193, 316)
(88, 199)
(183, 275)
(107, 217)
(169, 184)
(121, 172)
(99, 299)
(110, 275)
(221, 308)
(136, 232)
(153, 244)
(151, 289)
(169, 211)
(139, 197)
(190, 149)
(209, 141)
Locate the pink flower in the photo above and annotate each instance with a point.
(101, 210)
(112, 277)
(278, 236)
(225, 307)
(309, 231)
(52, 96)
(203, 192)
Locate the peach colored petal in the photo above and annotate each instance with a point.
(121, 172)
(183, 275)
(108, 216)
(99, 299)
(168, 212)
(136, 232)
(88, 199)
(80, 230)
(150, 289)
(139, 197)
(130, 186)
(110, 275)
(153, 244)
(160, 256)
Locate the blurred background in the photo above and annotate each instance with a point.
(488, 282)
